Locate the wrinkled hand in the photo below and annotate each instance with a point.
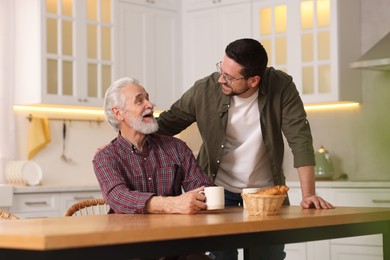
(188, 203)
(315, 201)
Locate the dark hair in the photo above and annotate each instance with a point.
(250, 54)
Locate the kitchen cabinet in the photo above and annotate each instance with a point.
(357, 194)
(68, 199)
(208, 27)
(163, 4)
(150, 49)
(314, 41)
(43, 203)
(36, 205)
(64, 51)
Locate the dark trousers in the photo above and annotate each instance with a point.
(267, 252)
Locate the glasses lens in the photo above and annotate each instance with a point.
(227, 78)
(218, 65)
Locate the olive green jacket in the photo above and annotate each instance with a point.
(281, 110)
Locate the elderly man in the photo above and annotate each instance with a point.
(142, 172)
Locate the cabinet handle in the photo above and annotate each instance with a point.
(83, 198)
(381, 201)
(36, 203)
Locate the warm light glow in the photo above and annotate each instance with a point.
(330, 106)
(99, 113)
(68, 111)
(61, 110)
(307, 14)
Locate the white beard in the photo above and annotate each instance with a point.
(142, 127)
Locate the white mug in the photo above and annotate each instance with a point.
(215, 197)
(249, 190)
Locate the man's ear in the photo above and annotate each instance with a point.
(254, 81)
(118, 113)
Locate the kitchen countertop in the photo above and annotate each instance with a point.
(345, 184)
(56, 188)
(291, 184)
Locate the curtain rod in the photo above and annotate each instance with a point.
(98, 119)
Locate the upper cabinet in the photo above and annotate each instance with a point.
(314, 41)
(149, 44)
(163, 4)
(64, 51)
(209, 25)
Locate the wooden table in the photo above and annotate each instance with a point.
(126, 236)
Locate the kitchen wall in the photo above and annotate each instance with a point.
(358, 139)
(82, 141)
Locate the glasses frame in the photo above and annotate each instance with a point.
(229, 79)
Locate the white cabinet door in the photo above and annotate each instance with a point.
(48, 204)
(317, 250)
(314, 43)
(39, 205)
(361, 247)
(204, 4)
(164, 4)
(207, 32)
(150, 50)
(340, 252)
(69, 198)
(355, 197)
(63, 51)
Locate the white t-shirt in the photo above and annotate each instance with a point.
(244, 163)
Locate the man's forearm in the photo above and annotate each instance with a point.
(307, 180)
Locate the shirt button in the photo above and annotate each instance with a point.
(144, 158)
(218, 162)
(222, 146)
(149, 178)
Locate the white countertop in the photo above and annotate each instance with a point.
(291, 184)
(345, 184)
(56, 188)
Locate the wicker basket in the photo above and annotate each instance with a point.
(262, 205)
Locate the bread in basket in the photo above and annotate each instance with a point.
(266, 202)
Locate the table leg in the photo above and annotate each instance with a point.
(251, 253)
(386, 243)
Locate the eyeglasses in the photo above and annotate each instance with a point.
(229, 79)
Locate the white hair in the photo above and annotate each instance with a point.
(114, 97)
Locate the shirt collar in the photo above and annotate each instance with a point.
(128, 145)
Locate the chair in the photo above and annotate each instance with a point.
(88, 207)
(5, 215)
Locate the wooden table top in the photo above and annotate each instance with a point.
(76, 232)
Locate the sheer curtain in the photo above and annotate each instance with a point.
(7, 122)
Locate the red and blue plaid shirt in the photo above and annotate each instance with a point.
(128, 177)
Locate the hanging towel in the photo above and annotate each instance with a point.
(38, 135)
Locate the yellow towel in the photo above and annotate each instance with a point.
(38, 135)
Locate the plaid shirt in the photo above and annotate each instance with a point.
(128, 177)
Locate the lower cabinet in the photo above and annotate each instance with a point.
(47, 204)
(68, 199)
(342, 194)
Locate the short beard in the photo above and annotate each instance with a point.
(145, 128)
